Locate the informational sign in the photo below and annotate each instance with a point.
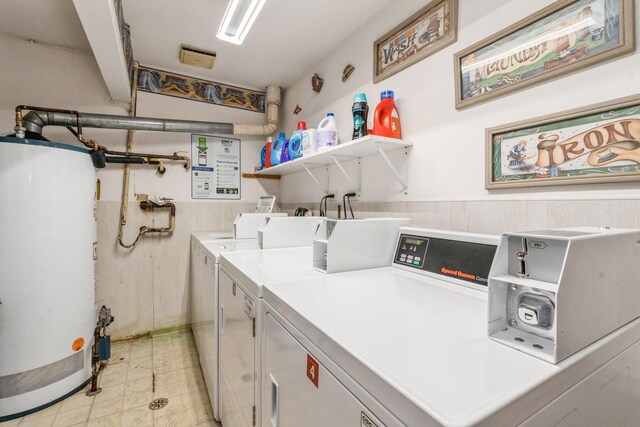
(215, 167)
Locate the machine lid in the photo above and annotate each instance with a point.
(49, 144)
(413, 337)
(254, 269)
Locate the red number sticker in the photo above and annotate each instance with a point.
(233, 289)
(313, 370)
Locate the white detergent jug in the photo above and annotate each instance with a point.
(327, 133)
(309, 141)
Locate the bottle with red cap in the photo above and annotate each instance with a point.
(295, 143)
(265, 155)
(386, 120)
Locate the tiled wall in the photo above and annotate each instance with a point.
(499, 216)
(147, 287)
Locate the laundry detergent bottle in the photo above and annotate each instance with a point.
(386, 120)
(295, 143)
(327, 133)
(360, 111)
(276, 149)
(266, 153)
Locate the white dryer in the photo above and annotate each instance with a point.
(206, 249)
(242, 277)
(407, 345)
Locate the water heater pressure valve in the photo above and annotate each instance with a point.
(104, 317)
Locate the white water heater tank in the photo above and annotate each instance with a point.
(47, 273)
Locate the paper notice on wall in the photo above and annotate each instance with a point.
(215, 167)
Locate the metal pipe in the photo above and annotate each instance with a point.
(124, 206)
(172, 219)
(34, 121)
(126, 160)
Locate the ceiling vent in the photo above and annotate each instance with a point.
(197, 57)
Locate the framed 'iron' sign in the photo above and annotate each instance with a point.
(596, 144)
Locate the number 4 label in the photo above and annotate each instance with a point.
(313, 370)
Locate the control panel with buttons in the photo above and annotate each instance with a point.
(462, 260)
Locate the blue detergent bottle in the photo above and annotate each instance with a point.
(276, 149)
(295, 143)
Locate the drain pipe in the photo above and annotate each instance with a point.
(34, 121)
(124, 205)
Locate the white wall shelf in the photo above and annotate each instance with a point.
(362, 147)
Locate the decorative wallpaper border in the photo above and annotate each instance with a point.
(180, 86)
(125, 34)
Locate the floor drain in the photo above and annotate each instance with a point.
(158, 403)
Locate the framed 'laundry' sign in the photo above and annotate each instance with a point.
(561, 38)
(596, 144)
(172, 84)
(427, 31)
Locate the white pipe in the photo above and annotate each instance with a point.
(273, 98)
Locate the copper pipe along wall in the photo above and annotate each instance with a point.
(172, 221)
(124, 205)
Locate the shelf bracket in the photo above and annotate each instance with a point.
(344, 172)
(313, 177)
(393, 169)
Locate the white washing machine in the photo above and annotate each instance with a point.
(206, 249)
(243, 274)
(408, 345)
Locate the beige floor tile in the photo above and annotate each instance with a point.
(125, 398)
(137, 386)
(44, 413)
(108, 407)
(110, 392)
(134, 400)
(176, 383)
(140, 368)
(72, 417)
(141, 352)
(140, 416)
(40, 422)
(12, 423)
(141, 343)
(114, 373)
(166, 362)
(108, 421)
(162, 344)
(183, 339)
(78, 400)
(121, 349)
(198, 406)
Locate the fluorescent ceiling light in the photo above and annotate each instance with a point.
(238, 19)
